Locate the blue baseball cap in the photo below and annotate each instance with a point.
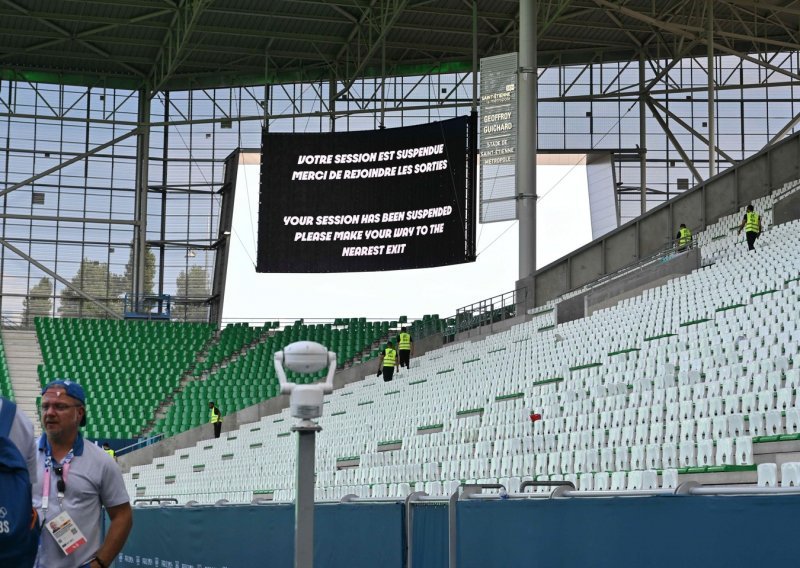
(72, 389)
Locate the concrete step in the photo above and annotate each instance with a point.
(26, 372)
(12, 335)
(23, 357)
(22, 365)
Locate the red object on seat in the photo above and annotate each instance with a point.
(535, 416)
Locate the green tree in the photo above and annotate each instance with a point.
(193, 290)
(95, 279)
(39, 301)
(125, 282)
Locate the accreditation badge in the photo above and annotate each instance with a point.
(67, 534)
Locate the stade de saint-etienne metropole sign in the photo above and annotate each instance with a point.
(498, 137)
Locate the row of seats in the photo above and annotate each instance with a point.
(130, 367)
(126, 367)
(251, 378)
(233, 337)
(686, 378)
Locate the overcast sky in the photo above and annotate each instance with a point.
(563, 225)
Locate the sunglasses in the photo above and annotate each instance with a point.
(60, 484)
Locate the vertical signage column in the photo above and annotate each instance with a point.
(498, 138)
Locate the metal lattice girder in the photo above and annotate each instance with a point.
(380, 21)
(59, 278)
(696, 34)
(71, 161)
(205, 44)
(665, 127)
(176, 42)
(67, 35)
(691, 129)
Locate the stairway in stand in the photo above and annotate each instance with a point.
(23, 357)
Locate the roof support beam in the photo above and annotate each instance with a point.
(712, 115)
(785, 130)
(61, 279)
(71, 161)
(176, 41)
(62, 219)
(393, 11)
(67, 35)
(87, 33)
(689, 34)
(689, 127)
(665, 127)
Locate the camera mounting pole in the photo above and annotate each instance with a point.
(305, 403)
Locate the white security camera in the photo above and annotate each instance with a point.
(305, 401)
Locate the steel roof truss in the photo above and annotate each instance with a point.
(690, 129)
(665, 127)
(174, 47)
(67, 35)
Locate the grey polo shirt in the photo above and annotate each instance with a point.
(93, 481)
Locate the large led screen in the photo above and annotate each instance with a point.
(388, 199)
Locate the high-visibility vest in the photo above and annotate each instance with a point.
(685, 237)
(215, 416)
(110, 452)
(389, 357)
(405, 342)
(751, 226)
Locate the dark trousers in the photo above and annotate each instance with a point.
(217, 429)
(751, 239)
(405, 357)
(388, 373)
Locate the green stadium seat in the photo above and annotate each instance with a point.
(121, 364)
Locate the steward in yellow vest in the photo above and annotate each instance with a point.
(107, 449)
(684, 237)
(215, 417)
(387, 361)
(404, 346)
(751, 223)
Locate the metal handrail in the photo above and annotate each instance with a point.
(159, 500)
(143, 441)
(670, 248)
(498, 303)
(484, 312)
(563, 489)
(525, 484)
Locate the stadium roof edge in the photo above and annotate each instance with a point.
(228, 43)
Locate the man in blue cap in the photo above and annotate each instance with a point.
(76, 480)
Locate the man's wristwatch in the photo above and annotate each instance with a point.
(98, 562)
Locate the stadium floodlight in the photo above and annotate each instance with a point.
(305, 403)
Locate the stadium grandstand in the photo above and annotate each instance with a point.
(634, 402)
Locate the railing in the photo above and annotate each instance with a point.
(483, 312)
(669, 250)
(158, 500)
(283, 322)
(506, 305)
(140, 443)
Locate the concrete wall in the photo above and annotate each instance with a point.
(571, 309)
(484, 331)
(699, 207)
(631, 285)
(787, 209)
(628, 286)
(255, 412)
